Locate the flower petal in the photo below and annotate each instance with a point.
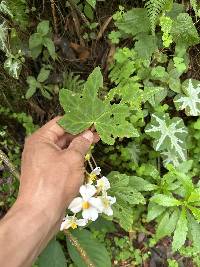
(96, 171)
(76, 205)
(81, 222)
(96, 202)
(108, 211)
(87, 191)
(112, 200)
(65, 225)
(103, 183)
(90, 214)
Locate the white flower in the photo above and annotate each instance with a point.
(89, 205)
(103, 184)
(73, 222)
(107, 201)
(96, 171)
(93, 175)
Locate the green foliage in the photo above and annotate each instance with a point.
(190, 102)
(169, 134)
(52, 256)
(25, 120)
(96, 253)
(18, 9)
(42, 38)
(92, 3)
(81, 112)
(131, 21)
(148, 96)
(126, 196)
(154, 8)
(72, 82)
(5, 9)
(39, 83)
(13, 64)
(184, 31)
(166, 26)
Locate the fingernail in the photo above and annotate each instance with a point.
(88, 135)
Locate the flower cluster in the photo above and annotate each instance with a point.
(93, 200)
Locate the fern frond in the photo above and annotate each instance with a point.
(154, 8)
(194, 5)
(72, 82)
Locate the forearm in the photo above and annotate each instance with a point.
(24, 232)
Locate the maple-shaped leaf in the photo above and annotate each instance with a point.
(86, 110)
(191, 100)
(168, 134)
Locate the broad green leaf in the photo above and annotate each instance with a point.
(158, 73)
(174, 80)
(187, 183)
(83, 112)
(88, 11)
(49, 44)
(45, 93)
(145, 46)
(134, 21)
(123, 190)
(154, 210)
(140, 184)
(194, 228)
(195, 212)
(176, 10)
(180, 232)
(184, 30)
(190, 102)
(165, 200)
(168, 133)
(52, 256)
(36, 51)
(185, 166)
(167, 224)
(43, 27)
(95, 252)
(170, 157)
(30, 92)
(43, 75)
(101, 224)
(92, 3)
(126, 196)
(35, 40)
(32, 87)
(195, 196)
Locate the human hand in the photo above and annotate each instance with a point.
(53, 167)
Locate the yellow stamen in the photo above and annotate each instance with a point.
(85, 205)
(92, 177)
(73, 225)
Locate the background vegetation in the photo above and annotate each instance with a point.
(148, 54)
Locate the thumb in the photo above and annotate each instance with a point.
(82, 142)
